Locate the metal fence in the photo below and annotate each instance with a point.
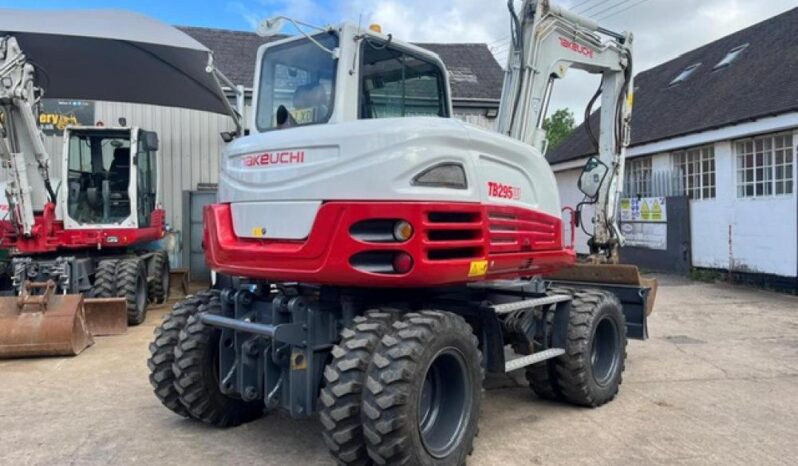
(661, 183)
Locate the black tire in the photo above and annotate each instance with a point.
(162, 353)
(197, 379)
(344, 378)
(158, 277)
(542, 377)
(591, 370)
(423, 392)
(105, 279)
(131, 284)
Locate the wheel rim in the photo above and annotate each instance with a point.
(141, 294)
(444, 406)
(604, 354)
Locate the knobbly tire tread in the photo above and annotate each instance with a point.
(104, 285)
(157, 291)
(162, 377)
(344, 379)
(195, 381)
(127, 273)
(542, 377)
(572, 368)
(388, 421)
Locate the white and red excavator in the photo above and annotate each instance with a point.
(383, 254)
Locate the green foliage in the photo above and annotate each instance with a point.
(558, 126)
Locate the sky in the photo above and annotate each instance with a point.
(663, 29)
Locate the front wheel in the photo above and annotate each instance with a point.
(196, 370)
(423, 392)
(158, 277)
(590, 371)
(131, 284)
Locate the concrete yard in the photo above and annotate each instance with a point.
(717, 383)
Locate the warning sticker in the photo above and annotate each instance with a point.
(478, 269)
(644, 209)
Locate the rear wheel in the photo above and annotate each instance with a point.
(105, 279)
(590, 371)
(158, 277)
(162, 349)
(424, 391)
(196, 369)
(344, 378)
(131, 284)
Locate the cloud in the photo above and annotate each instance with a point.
(247, 14)
(664, 29)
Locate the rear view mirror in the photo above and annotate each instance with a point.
(592, 177)
(149, 141)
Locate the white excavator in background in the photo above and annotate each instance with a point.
(84, 232)
(384, 254)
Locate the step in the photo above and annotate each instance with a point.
(540, 356)
(529, 303)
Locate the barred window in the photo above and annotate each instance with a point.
(638, 177)
(764, 165)
(697, 169)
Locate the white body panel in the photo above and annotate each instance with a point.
(376, 160)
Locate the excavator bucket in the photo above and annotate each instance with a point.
(637, 294)
(106, 316)
(43, 324)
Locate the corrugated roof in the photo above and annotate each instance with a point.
(762, 81)
(473, 71)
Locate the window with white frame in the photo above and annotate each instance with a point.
(696, 167)
(764, 165)
(638, 177)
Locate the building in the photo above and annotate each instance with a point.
(190, 141)
(718, 124)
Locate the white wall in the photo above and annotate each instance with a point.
(757, 235)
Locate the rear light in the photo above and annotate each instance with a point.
(402, 262)
(402, 231)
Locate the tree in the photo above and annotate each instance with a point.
(558, 126)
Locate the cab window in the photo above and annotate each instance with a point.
(297, 84)
(395, 83)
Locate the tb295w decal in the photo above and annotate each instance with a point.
(503, 191)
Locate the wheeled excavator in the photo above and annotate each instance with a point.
(382, 255)
(81, 260)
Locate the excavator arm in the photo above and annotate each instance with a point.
(546, 42)
(20, 135)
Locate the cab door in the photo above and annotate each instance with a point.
(146, 167)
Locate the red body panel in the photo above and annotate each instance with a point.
(49, 235)
(451, 244)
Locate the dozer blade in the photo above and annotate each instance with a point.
(106, 316)
(610, 274)
(42, 325)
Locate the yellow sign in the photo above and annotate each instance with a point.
(645, 213)
(478, 269)
(656, 211)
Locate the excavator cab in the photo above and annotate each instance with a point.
(111, 176)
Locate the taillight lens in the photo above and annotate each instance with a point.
(402, 262)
